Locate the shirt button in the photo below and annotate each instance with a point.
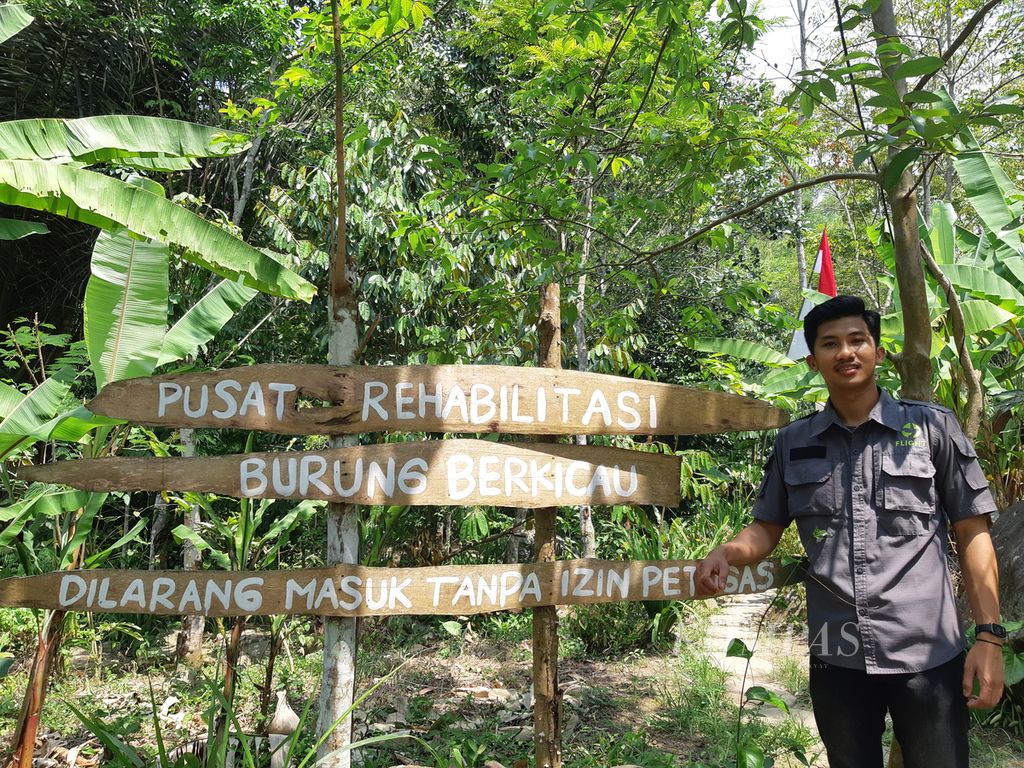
(860, 570)
(862, 611)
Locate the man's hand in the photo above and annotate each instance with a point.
(712, 573)
(753, 543)
(984, 664)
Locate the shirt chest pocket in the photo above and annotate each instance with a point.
(908, 483)
(908, 494)
(811, 487)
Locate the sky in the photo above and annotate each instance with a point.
(777, 52)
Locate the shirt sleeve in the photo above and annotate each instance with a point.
(960, 481)
(772, 504)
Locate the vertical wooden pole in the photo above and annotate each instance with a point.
(337, 690)
(547, 697)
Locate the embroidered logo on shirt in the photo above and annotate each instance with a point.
(910, 432)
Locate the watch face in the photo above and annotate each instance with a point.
(993, 629)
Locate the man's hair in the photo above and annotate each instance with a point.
(841, 306)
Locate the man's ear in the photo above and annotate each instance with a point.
(811, 362)
(879, 354)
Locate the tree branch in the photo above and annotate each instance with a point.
(975, 395)
(826, 179)
(969, 27)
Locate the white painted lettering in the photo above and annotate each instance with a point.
(230, 404)
(253, 399)
(598, 405)
(488, 476)
(412, 478)
(461, 482)
(252, 469)
(162, 589)
(566, 393)
(401, 401)
(168, 393)
(280, 389)
(373, 400)
(634, 415)
(64, 595)
(292, 588)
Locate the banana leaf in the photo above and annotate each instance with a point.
(32, 411)
(791, 379)
(15, 229)
(72, 426)
(40, 501)
(1015, 267)
(107, 203)
(204, 320)
(125, 306)
(152, 143)
(13, 19)
(983, 281)
(987, 188)
(943, 234)
(745, 350)
(980, 316)
(10, 397)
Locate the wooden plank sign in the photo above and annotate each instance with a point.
(463, 472)
(357, 591)
(444, 398)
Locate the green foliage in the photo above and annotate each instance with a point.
(608, 628)
(107, 203)
(13, 19)
(247, 536)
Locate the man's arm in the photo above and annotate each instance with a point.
(753, 543)
(981, 579)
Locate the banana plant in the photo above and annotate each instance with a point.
(126, 335)
(44, 167)
(243, 536)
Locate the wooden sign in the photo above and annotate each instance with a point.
(463, 472)
(445, 398)
(357, 591)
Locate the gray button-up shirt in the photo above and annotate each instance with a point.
(872, 506)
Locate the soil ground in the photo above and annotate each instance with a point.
(468, 695)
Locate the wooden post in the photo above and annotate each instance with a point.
(337, 691)
(547, 697)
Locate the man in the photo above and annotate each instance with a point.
(872, 484)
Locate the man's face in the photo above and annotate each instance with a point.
(845, 353)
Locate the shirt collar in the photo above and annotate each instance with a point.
(885, 412)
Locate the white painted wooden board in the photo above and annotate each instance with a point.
(347, 590)
(444, 398)
(432, 472)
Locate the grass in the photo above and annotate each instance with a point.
(791, 674)
(694, 701)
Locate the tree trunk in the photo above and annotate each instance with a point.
(588, 537)
(547, 697)
(972, 377)
(915, 360)
(47, 645)
(337, 691)
(189, 645)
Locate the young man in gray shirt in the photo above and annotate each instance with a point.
(872, 483)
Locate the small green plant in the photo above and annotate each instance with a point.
(123, 755)
(608, 628)
(630, 748)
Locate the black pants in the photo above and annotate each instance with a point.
(929, 715)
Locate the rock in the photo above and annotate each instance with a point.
(1008, 538)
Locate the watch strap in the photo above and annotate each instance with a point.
(993, 629)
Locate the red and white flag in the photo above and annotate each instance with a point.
(826, 284)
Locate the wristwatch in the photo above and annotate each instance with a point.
(993, 629)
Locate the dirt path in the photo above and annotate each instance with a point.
(779, 661)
